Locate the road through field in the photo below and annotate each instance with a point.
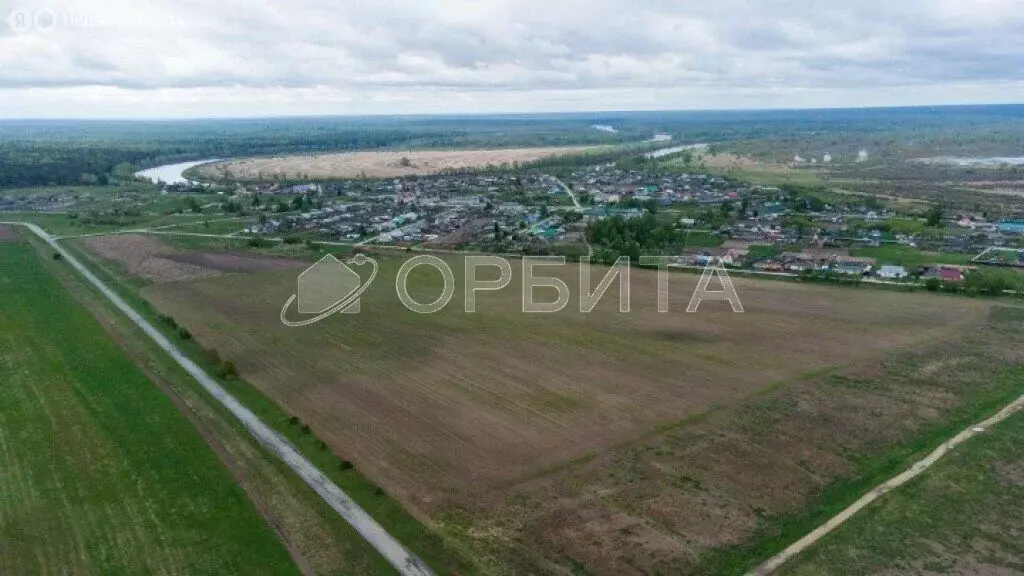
(578, 207)
(572, 195)
(396, 554)
(818, 533)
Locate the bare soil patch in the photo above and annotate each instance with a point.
(728, 160)
(7, 234)
(1010, 473)
(148, 258)
(377, 164)
(229, 262)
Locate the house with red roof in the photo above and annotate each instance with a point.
(950, 275)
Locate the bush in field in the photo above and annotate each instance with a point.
(932, 284)
(212, 356)
(183, 333)
(345, 465)
(57, 256)
(292, 240)
(228, 370)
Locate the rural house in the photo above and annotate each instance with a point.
(892, 272)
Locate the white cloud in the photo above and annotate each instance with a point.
(186, 57)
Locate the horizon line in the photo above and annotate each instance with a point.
(497, 114)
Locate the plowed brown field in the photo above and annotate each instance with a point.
(148, 258)
(626, 442)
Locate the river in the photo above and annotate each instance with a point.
(666, 151)
(171, 173)
(992, 162)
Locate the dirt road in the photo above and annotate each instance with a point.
(572, 195)
(402, 559)
(818, 533)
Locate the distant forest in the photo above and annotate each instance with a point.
(63, 152)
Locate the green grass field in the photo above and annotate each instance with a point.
(95, 191)
(215, 225)
(911, 257)
(965, 515)
(99, 472)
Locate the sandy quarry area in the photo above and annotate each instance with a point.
(376, 164)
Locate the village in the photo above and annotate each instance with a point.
(701, 218)
(763, 229)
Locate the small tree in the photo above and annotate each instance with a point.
(228, 370)
(213, 356)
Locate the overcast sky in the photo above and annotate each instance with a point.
(188, 58)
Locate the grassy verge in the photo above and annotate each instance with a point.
(99, 472)
(421, 539)
(964, 515)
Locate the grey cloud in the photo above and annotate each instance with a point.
(516, 46)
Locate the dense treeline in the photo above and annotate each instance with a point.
(634, 237)
(68, 152)
(63, 152)
(885, 133)
(23, 165)
(40, 162)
